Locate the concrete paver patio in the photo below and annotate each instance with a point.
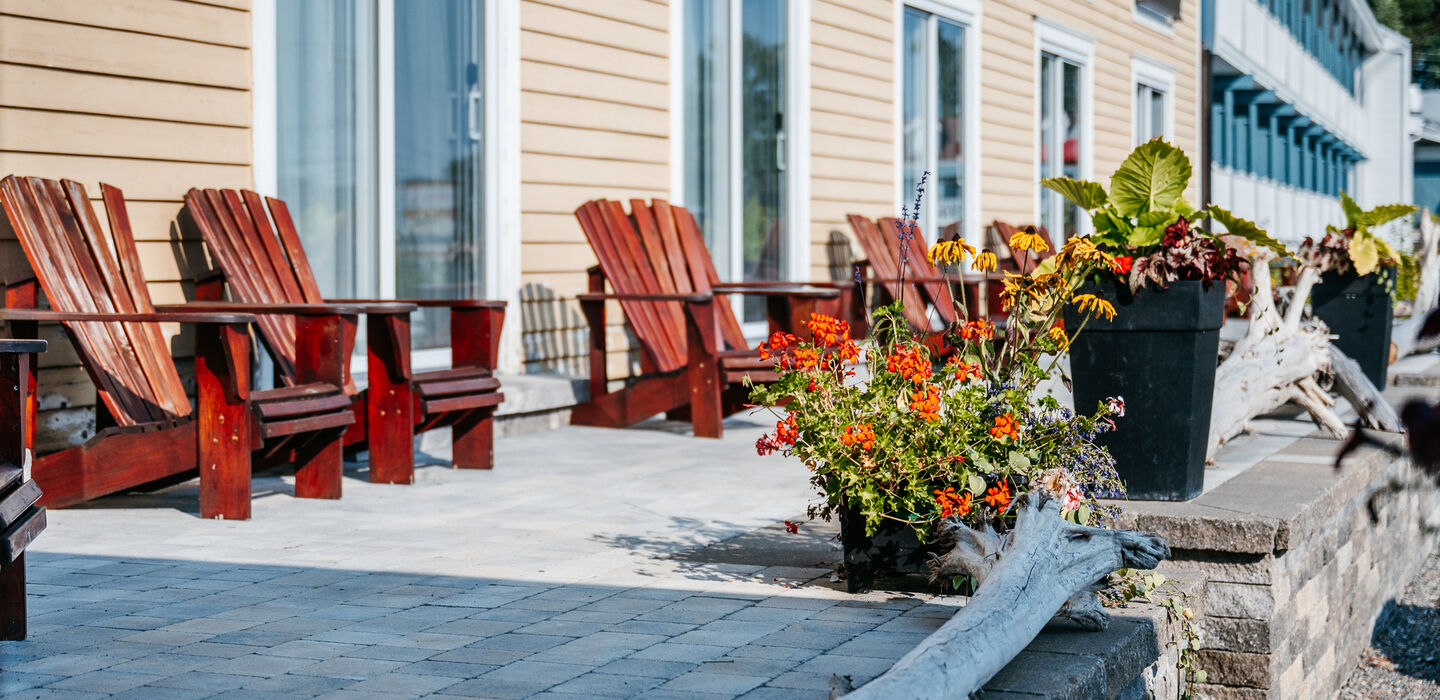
(547, 577)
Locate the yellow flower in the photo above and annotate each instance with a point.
(985, 262)
(1086, 302)
(1057, 334)
(950, 252)
(1028, 239)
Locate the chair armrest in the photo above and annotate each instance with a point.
(160, 316)
(686, 298)
(791, 289)
(15, 347)
(262, 309)
(425, 303)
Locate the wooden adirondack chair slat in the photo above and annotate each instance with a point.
(884, 256)
(704, 276)
(670, 237)
(919, 266)
(144, 338)
(290, 240)
(235, 223)
(282, 269)
(637, 263)
(655, 339)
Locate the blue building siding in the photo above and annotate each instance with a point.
(1254, 131)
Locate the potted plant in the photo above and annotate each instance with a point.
(1357, 276)
(1161, 349)
(902, 442)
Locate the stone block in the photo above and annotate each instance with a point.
(1236, 668)
(1243, 600)
(1210, 691)
(1236, 634)
(1063, 676)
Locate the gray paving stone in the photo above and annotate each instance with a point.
(258, 665)
(668, 629)
(386, 652)
(401, 684)
(802, 680)
(859, 668)
(564, 628)
(702, 681)
(250, 637)
(479, 655)
(757, 613)
(607, 685)
(173, 638)
(432, 640)
(307, 649)
(769, 693)
(216, 649)
(528, 670)
(521, 642)
(611, 618)
(478, 628)
(297, 685)
(155, 692)
(760, 651)
(748, 666)
(66, 664)
(884, 645)
(728, 633)
(670, 651)
(625, 605)
(346, 667)
(515, 615)
(16, 681)
(656, 668)
(56, 694)
(486, 687)
(446, 669)
(203, 680)
(163, 664)
(845, 613)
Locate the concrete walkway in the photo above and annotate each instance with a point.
(550, 576)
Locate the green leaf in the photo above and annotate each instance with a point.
(1152, 179)
(1184, 209)
(1388, 212)
(1018, 461)
(977, 485)
(1244, 228)
(1200, 676)
(1162, 219)
(1082, 515)
(1102, 222)
(1364, 254)
(1354, 215)
(1089, 195)
(1145, 236)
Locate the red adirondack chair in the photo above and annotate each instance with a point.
(147, 428)
(1027, 261)
(21, 518)
(926, 289)
(263, 267)
(694, 353)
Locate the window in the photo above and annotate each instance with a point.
(934, 119)
(736, 112)
(1062, 138)
(1160, 11)
(380, 147)
(1150, 114)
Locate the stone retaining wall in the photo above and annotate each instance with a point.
(1295, 572)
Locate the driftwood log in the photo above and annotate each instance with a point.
(1026, 577)
(1406, 335)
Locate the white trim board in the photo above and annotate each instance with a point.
(1078, 47)
(1160, 76)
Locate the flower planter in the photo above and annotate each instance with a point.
(1159, 354)
(894, 549)
(1358, 310)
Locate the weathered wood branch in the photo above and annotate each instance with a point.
(1026, 577)
(1405, 335)
(1351, 382)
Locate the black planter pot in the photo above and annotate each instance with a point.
(894, 549)
(1159, 354)
(1358, 310)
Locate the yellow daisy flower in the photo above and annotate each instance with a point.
(1101, 307)
(950, 252)
(985, 262)
(1057, 334)
(1028, 239)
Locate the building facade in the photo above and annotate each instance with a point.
(1306, 98)
(440, 147)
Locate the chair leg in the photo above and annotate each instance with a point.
(391, 435)
(473, 440)
(706, 412)
(12, 600)
(319, 464)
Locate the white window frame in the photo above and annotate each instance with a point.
(1157, 76)
(797, 140)
(1073, 45)
(1151, 20)
(501, 162)
(969, 13)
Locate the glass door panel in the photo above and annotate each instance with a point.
(949, 201)
(763, 191)
(707, 123)
(439, 146)
(916, 103)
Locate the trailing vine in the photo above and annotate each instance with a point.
(1130, 585)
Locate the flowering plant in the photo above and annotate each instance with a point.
(1355, 245)
(922, 438)
(1145, 223)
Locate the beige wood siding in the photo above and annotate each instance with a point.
(1008, 98)
(595, 123)
(852, 125)
(152, 96)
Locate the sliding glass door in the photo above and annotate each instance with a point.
(1061, 140)
(934, 119)
(382, 101)
(735, 106)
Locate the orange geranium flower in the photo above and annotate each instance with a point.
(778, 346)
(926, 402)
(963, 370)
(807, 358)
(1005, 428)
(849, 352)
(828, 330)
(979, 329)
(998, 496)
(786, 432)
(952, 503)
(909, 364)
(862, 435)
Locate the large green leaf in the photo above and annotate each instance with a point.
(1388, 212)
(1089, 195)
(1364, 254)
(1246, 229)
(1151, 179)
(1354, 215)
(1162, 218)
(1146, 236)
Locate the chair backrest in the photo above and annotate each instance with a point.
(263, 264)
(73, 260)
(657, 249)
(881, 245)
(1028, 262)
